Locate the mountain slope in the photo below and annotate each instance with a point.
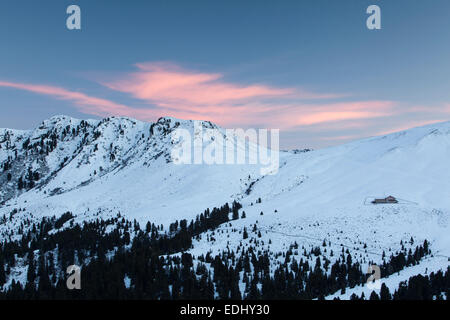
(113, 165)
(119, 165)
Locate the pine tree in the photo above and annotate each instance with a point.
(245, 235)
(20, 184)
(374, 296)
(254, 293)
(384, 293)
(425, 247)
(2, 272)
(31, 268)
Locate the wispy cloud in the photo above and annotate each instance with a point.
(197, 95)
(172, 91)
(167, 85)
(160, 83)
(166, 89)
(87, 104)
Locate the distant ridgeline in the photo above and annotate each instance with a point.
(119, 260)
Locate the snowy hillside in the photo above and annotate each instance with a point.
(114, 165)
(119, 165)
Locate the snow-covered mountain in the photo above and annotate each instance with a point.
(113, 165)
(119, 165)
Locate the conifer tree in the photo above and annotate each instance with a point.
(384, 293)
(374, 296)
(245, 233)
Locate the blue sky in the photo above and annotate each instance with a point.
(310, 68)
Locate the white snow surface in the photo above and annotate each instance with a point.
(316, 195)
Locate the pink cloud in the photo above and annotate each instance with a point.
(94, 105)
(88, 104)
(197, 95)
(159, 83)
(290, 116)
(241, 106)
(172, 91)
(173, 88)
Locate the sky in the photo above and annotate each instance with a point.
(310, 68)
